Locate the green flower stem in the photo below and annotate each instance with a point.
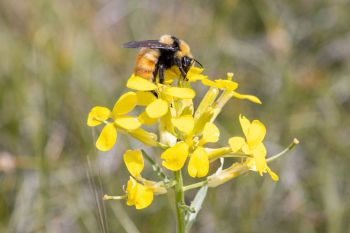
(179, 201)
(195, 185)
(291, 146)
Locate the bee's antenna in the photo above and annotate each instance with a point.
(198, 63)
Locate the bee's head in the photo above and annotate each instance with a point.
(187, 61)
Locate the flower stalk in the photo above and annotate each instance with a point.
(179, 201)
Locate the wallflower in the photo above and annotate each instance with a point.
(183, 134)
(120, 120)
(174, 158)
(252, 145)
(139, 191)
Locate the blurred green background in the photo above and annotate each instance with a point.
(60, 58)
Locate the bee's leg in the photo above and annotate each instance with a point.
(161, 73)
(179, 64)
(155, 72)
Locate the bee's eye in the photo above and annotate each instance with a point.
(186, 61)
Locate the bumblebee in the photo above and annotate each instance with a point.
(155, 56)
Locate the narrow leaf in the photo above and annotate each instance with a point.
(196, 205)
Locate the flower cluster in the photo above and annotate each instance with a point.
(184, 134)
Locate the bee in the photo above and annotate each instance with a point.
(155, 56)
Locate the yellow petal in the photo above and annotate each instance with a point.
(245, 124)
(144, 98)
(194, 74)
(221, 83)
(256, 134)
(97, 115)
(259, 154)
(134, 162)
(184, 123)
(245, 149)
(175, 157)
(195, 70)
(226, 84)
(273, 175)
(208, 82)
(157, 108)
(125, 104)
(210, 133)
(171, 74)
(198, 165)
(184, 107)
(148, 138)
(140, 84)
(251, 98)
(180, 92)
(127, 122)
(138, 195)
(236, 143)
(107, 138)
(146, 120)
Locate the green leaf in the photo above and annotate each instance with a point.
(196, 205)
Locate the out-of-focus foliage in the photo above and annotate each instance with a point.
(60, 58)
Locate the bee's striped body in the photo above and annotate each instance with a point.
(146, 62)
(157, 55)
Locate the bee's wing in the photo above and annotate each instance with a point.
(152, 44)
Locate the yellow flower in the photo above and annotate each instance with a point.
(175, 157)
(108, 136)
(139, 191)
(138, 194)
(252, 145)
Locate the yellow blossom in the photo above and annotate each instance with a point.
(252, 145)
(199, 162)
(138, 194)
(108, 135)
(139, 191)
